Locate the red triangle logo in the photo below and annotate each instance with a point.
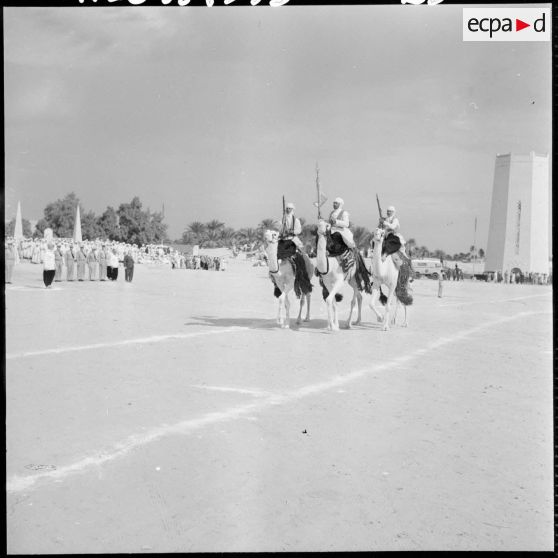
(519, 25)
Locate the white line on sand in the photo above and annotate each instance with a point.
(19, 483)
(153, 339)
(254, 392)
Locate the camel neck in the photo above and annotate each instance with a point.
(272, 262)
(321, 254)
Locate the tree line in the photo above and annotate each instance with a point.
(132, 224)
(215, 234)
(129, 223)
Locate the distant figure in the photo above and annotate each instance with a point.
(114, 265)
(69, 259)
(49, 265)
(128, 267)
(58, 260)
(440, 284)
(92, 264)
(80, 259)
(102, 264)
(10, 259)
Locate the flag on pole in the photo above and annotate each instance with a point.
(323, 199)
(77, 227)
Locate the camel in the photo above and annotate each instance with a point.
(385, 273)
(332, 278)
(283, 276)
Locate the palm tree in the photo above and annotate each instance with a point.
(214, 225)
(228, 237)
(410, 247)
(269, 224)
(248, 236)
(195, 233)
(362, 237)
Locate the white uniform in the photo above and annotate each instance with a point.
(291, 229)
(341, 225)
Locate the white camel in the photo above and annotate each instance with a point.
(385, 273)
(333, 277)
(284, 279)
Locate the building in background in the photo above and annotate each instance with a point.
(519, 232)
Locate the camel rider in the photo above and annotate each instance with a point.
(339, 221)
(291, 227)
(391, 225)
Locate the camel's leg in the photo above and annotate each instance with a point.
(279, 305)
(356, 300)
(287, 303)
(375, 296)
(308, 296)
(299, 317)
(331, 304)
(396, 307)
(359, 306)
(385, 325)
(406, 322)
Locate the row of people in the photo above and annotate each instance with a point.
(203, 261)
(515, 277)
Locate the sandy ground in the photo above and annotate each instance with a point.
(172, 414)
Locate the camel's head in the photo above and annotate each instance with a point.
(271, 237)
(379, 235)
(322, 227)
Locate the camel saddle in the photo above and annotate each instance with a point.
(392, 244)
(285, 249)
(335, 246)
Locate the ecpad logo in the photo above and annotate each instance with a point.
(506, 24)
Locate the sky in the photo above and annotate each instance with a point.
(216, 113)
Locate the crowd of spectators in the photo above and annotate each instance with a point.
(96, 260)
(514, 276)
(183, 261)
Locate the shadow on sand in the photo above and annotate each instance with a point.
(315, 325)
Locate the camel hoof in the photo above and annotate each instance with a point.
(357, 322)
(306, 319)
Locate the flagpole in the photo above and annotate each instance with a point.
(475, 247)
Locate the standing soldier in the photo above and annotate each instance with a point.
(92, 264)
(102, 264)
(9, 260)
(69, 259)
(80, 259)
(58, 264)
(128, 266)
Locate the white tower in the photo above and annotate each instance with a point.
(519, 231)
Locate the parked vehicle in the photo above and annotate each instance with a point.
(428, 268)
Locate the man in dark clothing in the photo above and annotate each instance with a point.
(128, 267)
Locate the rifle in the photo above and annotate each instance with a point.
(379, 211)
(318, 190)
(284, 215)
